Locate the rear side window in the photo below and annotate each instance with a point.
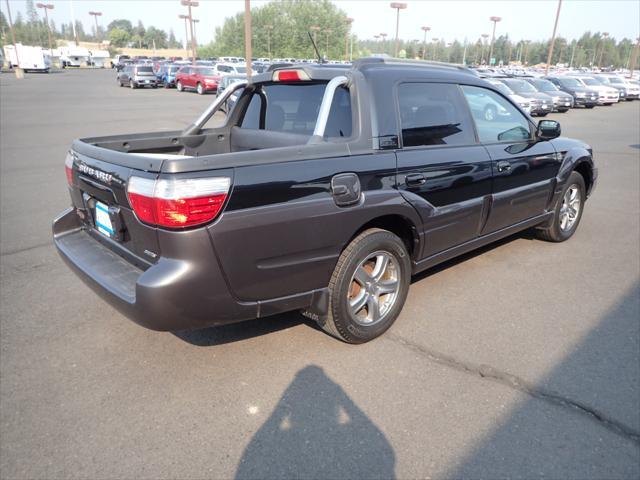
(293, 108)
(433, 114)
(497, 120)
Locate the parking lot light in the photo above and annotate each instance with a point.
(46, 7)
(604, 38)
(634, 57)
(189, 4)
(398, 6)
(268, 28)
(95, 16)
(435, 45)
(186, 34)
(495, 20)
(424, 41)
(484, 44)
(327, 32)
(384, 45)
(348, 21)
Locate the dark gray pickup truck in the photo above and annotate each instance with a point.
(324, 191)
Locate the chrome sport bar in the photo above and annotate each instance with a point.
(196, 126)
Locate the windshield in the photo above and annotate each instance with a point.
(544, 85)
(241, 69)
(520, 86)
(590, 81)
(616, 80)
(503, 88)
(570, 82)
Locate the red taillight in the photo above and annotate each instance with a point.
(68, 168)
(290, 76)
(176, 203)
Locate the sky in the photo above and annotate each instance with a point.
(449, 20)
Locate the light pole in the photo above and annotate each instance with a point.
(348, 21)
(95, 18)
(194, 21)
(604, 38)
(398, 6)
(573, 54)
(247, 37)
(186, 34)
(327, 32)
(424, 41)
(189, 4)
(526, 51)
(553, 38)
(495, 20)
(484, 44)
(47, 7)
(634, 57)
(384, 45)
(19, 72)
(449, 45)
(435, 44)
(269, 28)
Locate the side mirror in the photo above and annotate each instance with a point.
(548, 130)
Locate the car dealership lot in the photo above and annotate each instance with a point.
(522, 359)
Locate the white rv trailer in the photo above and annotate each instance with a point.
(32, 59)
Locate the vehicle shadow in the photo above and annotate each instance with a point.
(317, 431)
(220, 335)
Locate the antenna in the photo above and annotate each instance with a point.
(315, 47)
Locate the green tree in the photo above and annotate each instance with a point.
(153, 34)
(121, 24)
(119, 37)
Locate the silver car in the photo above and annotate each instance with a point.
(136, 76)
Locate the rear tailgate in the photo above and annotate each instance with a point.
(99, 195)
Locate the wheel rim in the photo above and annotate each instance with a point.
(200, 89)
(374, 288)
(570, 210)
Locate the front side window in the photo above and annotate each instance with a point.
(433, 114)
(497, 119)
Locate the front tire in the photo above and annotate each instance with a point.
(200, 89)
(132, 84)
(368, 287)
(567, 212)
(179, 86)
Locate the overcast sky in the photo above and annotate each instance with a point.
(449, 20)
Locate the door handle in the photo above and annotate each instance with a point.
(503, 166)
(415, 179)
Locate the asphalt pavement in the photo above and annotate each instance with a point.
(520, 360)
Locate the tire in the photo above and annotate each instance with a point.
(121, 84)
(563, 110)
(559, 230)
(200, 89)
(166, 85)
(179, 86)
(360, 260)
(490, 113)
(543, 114)
(589, 106)
(132, 84)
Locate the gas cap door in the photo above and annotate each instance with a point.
(345, 189)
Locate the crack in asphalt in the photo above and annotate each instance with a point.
(6, 253)
(517, 383)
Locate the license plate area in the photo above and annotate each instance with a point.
(107, 220)
(103, 220)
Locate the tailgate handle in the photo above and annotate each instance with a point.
(345, 189)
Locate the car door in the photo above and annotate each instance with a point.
(442, 170)
(523, 168)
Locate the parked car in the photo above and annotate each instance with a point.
(137, 76)
(632, 90)
(582, 96)
(541, 104)
(230, 69)
(562, 101)
(606, 95)
(166, 75)
(224, 83)
(622, 90)
(522, 102)
(324, 191)
(200, 79)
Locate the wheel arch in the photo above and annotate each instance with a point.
(399, 225)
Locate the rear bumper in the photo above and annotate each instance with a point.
(172, 294)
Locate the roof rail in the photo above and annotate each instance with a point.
(406, 61)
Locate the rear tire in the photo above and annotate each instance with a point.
(567, 212)
(200, 89)
(179, 86)
(368, 287)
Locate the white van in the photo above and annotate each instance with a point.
(32, 59)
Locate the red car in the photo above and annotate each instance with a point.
(200, 79)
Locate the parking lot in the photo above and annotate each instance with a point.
(519, 360)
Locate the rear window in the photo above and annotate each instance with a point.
(145, 70)
(293, 108)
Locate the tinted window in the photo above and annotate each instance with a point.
(433, 114)
(497, 120)
(293, 108)
(240, 69)
(569, 82)
(544, 85)
(520, 86)
(145, 70)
